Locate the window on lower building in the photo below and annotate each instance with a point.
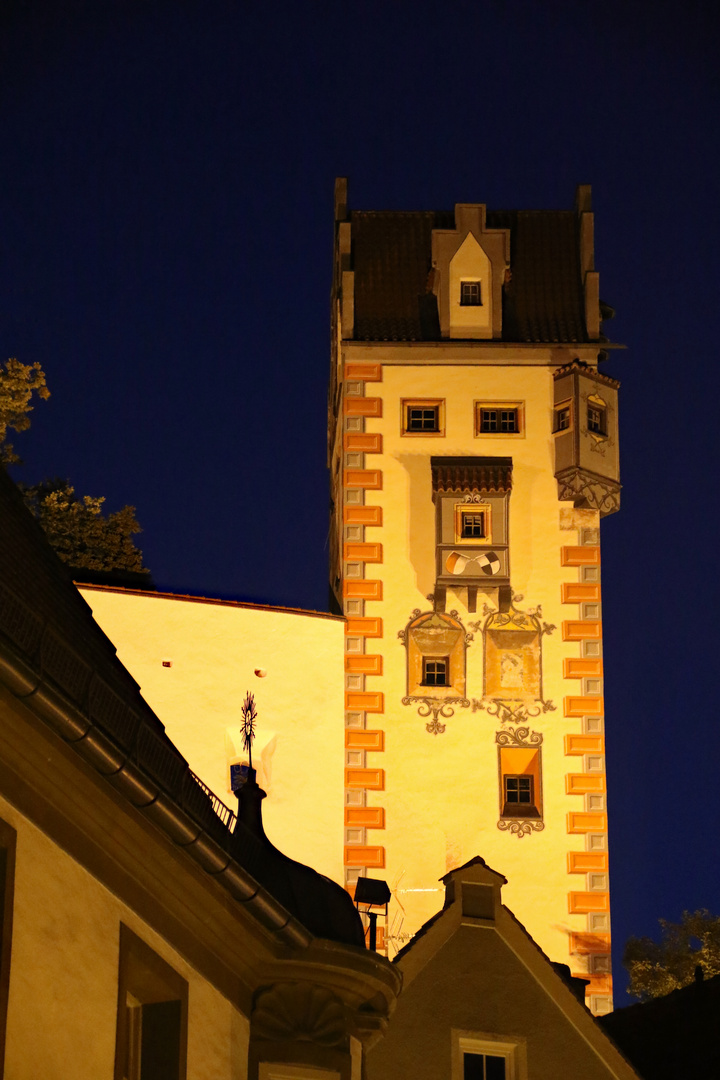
(151, 1040)
(436, 671)
(470, 294)
(423, 417)
(597, 419)
(483, 1067)
(498, 417)
(8, 838)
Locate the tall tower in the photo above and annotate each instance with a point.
(473, 447)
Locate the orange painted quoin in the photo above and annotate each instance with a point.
(363, 663)
(355, 369)
(362, 443)
(372, 779)
(365, 817)
(585, 629)
(588, 705)
(585, 862)
(584, 744)
(585, 783)
(364, 855)
(580, 556)
(364, 626)
(587, 821)
(583, 903)
(365, 700)
(582, 944)
(363, 589)
(582, 667)
(580, 592)
(369, 479)
(363, 406)
(363, 515)
(364, 739)
(363, 552)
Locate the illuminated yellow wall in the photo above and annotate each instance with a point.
(214, 650)
(423, 803)
(64, 975)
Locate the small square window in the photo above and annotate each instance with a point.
(470, 294)
(435, 671)
(423, 416)
(472, 524)
(597, 419)
(483, 1067)
(498, 418)
(519, 796)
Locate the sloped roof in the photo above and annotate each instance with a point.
(57, 660)
(543, 302)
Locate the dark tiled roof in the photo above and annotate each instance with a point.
(543, 302)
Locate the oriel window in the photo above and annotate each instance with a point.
(562, 418)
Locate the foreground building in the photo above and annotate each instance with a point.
(147, 933)
(473, 448)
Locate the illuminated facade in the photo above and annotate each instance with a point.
(473, 450)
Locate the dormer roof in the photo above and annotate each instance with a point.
(394, 291)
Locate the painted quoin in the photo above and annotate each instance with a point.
(473, 447)
(473, 450)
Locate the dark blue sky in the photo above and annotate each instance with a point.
(165, 254)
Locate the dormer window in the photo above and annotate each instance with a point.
(470, 294)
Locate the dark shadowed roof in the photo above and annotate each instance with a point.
(55, 658)
(543, 302)
(671, 1036)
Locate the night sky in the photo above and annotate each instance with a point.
(165, 255)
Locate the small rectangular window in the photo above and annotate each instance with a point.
(562, 418)
(483, 1067)
(422, 419)
(472, 524)
(423, 416)
(470, 295)
(435, 671)
(498, 418)
(597, 419)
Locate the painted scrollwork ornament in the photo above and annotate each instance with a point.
(520, 827)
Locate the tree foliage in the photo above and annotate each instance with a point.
(656, 968)
(79, 532)
(18, 383)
